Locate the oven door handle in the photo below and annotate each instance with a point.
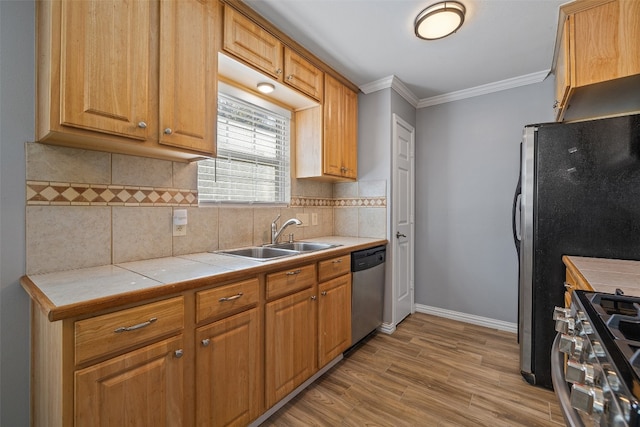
(571, 417)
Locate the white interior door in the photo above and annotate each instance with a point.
(403, 208)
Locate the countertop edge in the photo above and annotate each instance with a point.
(55, 312)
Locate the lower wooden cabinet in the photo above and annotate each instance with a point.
(219, 356)
(334, 318)
(141, 388)
(290, 339)
(228, 371)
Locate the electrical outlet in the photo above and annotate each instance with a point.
(179, 230)
(314, 218)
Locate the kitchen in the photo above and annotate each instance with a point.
(444, 216)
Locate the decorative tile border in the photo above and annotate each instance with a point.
(362, 202)
(72, 194)
(358, 202)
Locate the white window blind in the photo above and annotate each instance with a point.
(252, 164)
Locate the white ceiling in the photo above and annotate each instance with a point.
(371, 40)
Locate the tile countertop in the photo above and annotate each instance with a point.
(77, 292)
(607, 275)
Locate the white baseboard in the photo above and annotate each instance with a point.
(468, 318)
(387, 328)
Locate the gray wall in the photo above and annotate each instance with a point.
(467, 163)
(17, 53)
(375, 114)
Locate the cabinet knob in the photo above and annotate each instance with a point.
(324, 293)
(313, 297)
(279, 71)
(168, 131)
(142, 125)
(178, 353)
(290, 77)
(206, 342)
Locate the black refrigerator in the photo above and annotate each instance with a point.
(578, 194)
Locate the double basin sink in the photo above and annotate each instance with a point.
(279, 250)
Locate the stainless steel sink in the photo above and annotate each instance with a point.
(303, 246)
(260, 253)
(265, 253)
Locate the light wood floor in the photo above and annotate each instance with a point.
(430, 372)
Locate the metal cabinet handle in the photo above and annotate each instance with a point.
(168, 131)
(279, 71)
(142, 125)
(291, 273)
(178, 353)
(206, 342)
(337, 261)
(324, 293)
(313, 297)
(568, 286)
(134, 327)
(290, 77)
(234, 297)
(399, 235)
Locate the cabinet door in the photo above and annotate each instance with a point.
(105, 69)
(333, 130)
(303, 75)
(248, 41)
(334, 318)
(228, 385)
(607, 42)
(340, 129)
(350, 128)
(187, 82)
(563, 71)
(142, 388)
(290, 337)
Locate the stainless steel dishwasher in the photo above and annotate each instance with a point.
(367, 293)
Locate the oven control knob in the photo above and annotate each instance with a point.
(571, 345)
(587, 399)
(565, 323)
(597, 349)
(586, 327)
(581, 373)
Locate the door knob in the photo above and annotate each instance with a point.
(399, 235)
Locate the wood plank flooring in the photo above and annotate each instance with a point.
(431, 372)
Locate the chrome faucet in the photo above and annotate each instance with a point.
(275, 233)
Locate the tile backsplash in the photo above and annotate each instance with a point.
(89, 208)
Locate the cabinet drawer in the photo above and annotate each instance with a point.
(334, 267)
(288, 281)
(114, 332)
(215, 302)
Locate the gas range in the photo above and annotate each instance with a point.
(598, 382)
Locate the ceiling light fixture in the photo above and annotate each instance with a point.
(439, 20)
(265, 87)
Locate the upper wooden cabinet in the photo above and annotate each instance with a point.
(599, 41)
(248, 41)
(128, 77)
(327, 137)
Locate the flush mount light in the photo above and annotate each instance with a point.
(439, 20)
(265, 87)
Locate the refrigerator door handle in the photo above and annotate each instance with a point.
(515, 216)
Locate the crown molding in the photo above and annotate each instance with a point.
(501, 85)
(396, 84)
